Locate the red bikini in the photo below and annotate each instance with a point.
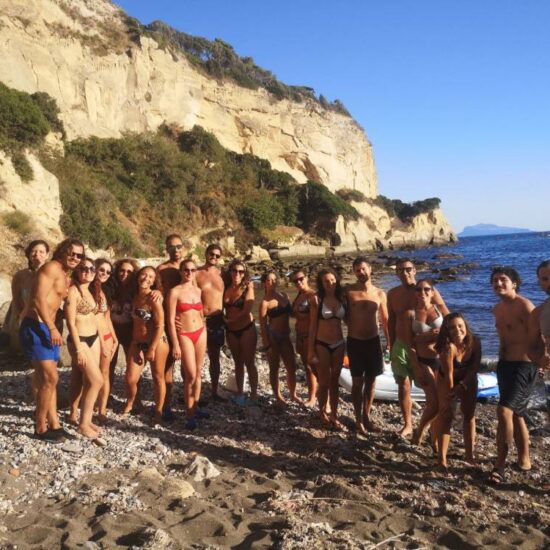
(182, 307)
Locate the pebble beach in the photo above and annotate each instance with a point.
(260, 476)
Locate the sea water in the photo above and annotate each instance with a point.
(472, 293)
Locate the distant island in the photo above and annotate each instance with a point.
(482, 229)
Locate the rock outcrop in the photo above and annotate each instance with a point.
(79, 52)
(106, 83)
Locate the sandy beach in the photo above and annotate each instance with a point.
(257, 477)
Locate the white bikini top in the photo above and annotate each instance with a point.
(418, 327)
(326, 313)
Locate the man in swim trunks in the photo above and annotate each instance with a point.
(367, 307)
(169, 273)
(209, 279)
(516, 374)
(539, 328)
(40, 338)
(401, 299)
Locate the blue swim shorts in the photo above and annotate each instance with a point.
(36, 342)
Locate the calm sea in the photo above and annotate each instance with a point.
(472, 293)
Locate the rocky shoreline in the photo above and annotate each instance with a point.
(258, 476)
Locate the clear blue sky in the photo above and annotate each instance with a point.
(455, 96)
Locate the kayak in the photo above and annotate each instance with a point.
(386, 387)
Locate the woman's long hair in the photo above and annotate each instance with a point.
(338, 291)
(226, 275)
(106, 287)
(114, 289)
(95, 285)
(444, 338)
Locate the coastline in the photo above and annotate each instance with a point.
(284, 482)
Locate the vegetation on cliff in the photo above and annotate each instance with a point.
(406, 211)
(25, 120)
(219, 60)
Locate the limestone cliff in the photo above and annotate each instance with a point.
(80, 52)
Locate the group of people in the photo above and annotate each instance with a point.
(181, 312)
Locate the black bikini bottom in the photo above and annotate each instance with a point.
(88, 340)
(240, 331)
(330, 347)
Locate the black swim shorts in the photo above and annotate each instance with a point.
(516, 380)
(215, 330)
(365, 356)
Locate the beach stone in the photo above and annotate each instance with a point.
(337, 491)
(175, 488)
(150, 475)
(201, 468)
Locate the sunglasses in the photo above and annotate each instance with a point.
(188, 270)
(238, 271)
(404, 269)
(424, 289)
(214, 255)
(174, 247)
(86, 269)
(125, 270)
(104, 271)
(299, 279)
(77, 255)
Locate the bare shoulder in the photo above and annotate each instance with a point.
(526, 304)
(51, 269)
(381, 293)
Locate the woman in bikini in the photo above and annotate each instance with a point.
(274, 315)
(300, 311)
(238, 299)
(426, 320)
(326, 341)
(119, 290)
(81, 310)
(149, 343)
(459, 356)
(189, 342)
(21, 284)
(107, 334)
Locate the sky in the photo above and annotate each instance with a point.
(454, 96)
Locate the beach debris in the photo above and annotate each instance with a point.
(201, 469)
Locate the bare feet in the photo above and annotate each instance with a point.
(87, 431)
(310, 403)
(325, 420)
(72, 420)
(101, 419)
(416, 438)
(336, 424)
(360, 429)
(524, 466)
(296, 399)
(127, 409)
(405, 431)
(371, 426)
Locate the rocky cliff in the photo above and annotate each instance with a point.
(105, 83)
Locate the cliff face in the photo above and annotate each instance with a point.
(104, 84)
(80, 53)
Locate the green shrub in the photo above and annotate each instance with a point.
(19, 222)
(22, 166)
(319, 208)
(351, 195)
(50, 110)
(407, 211)
(260, 211)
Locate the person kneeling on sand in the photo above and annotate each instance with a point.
(459, 356)
(515, 373)
(40, 338)
(81, 310)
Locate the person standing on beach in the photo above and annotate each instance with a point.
(515, 373)
(539, 327)
(40, 338)
(367, 309)
(169, 273)
(210, 281)
(401, 299)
